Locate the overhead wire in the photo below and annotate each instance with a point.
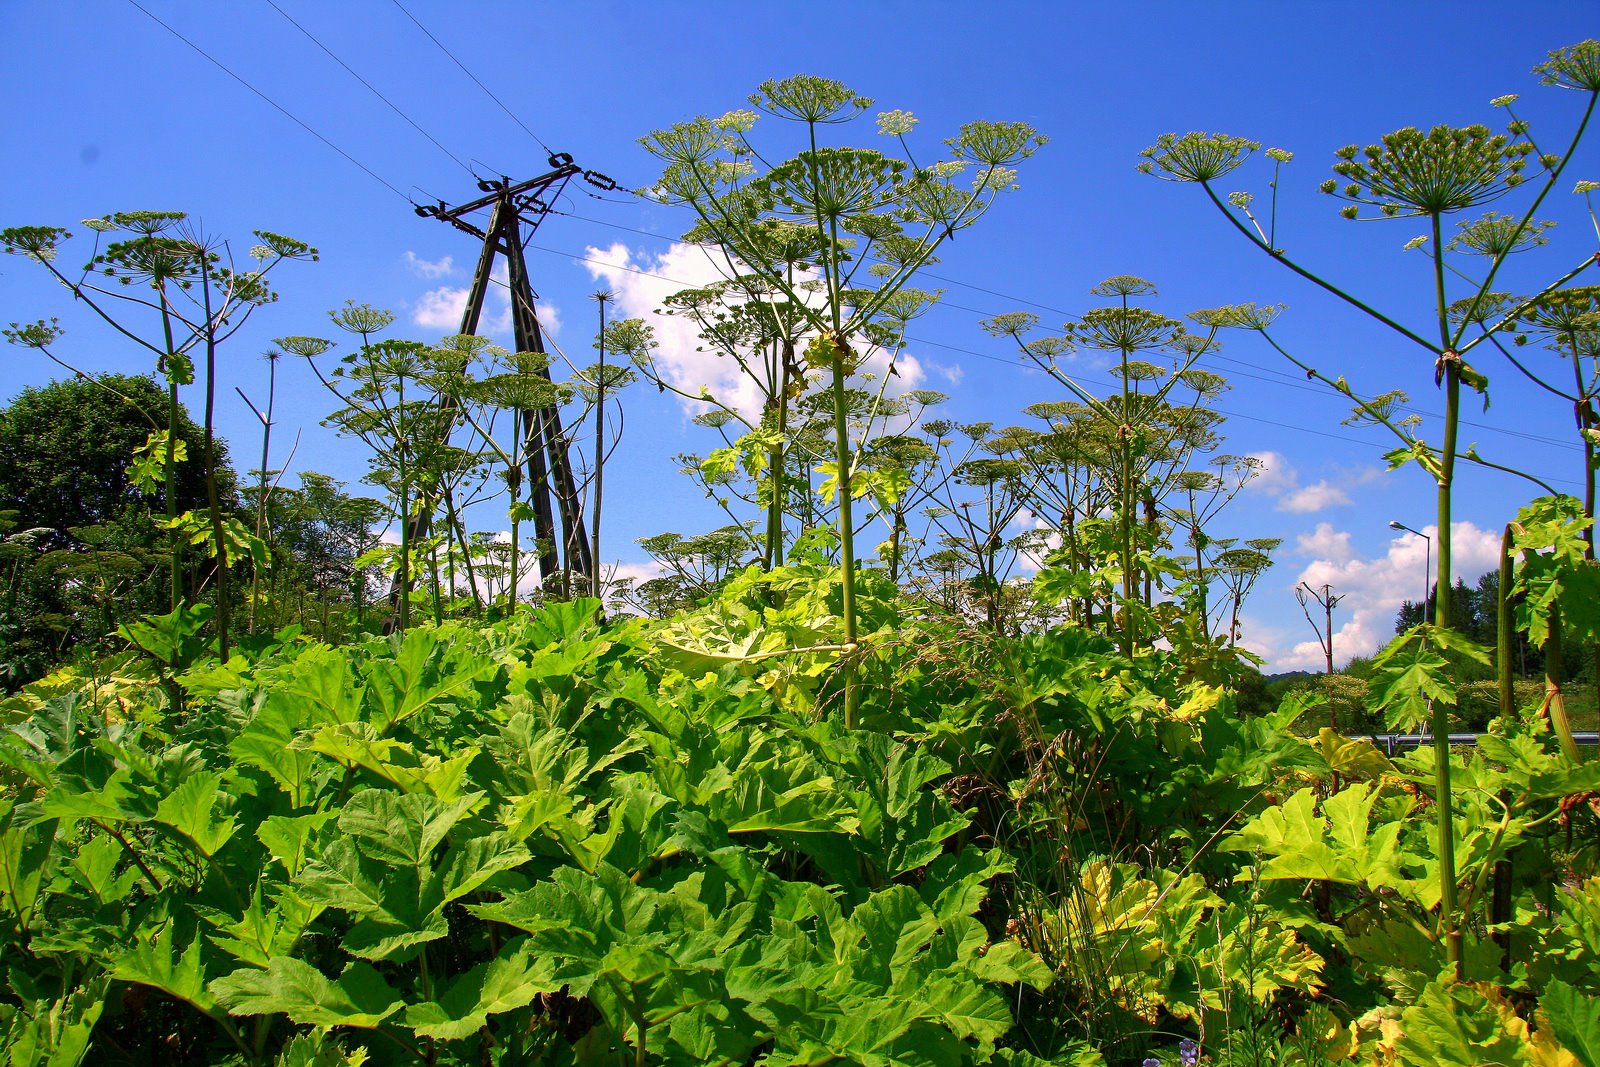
(370, 87)
(1286, 379)
(474, 77)
(277, 106)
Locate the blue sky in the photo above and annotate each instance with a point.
(107, 110)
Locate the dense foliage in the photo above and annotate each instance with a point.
(811, 809)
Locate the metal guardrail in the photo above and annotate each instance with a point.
(1393, 744)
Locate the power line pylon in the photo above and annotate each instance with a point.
(515, 211)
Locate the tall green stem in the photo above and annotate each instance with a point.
(1503, 633)
(405, 514)
(846, 537)
(596, 582)
(213, 502)
(174, 539)
(1442, 708)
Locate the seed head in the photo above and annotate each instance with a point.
(1196, 156)
(1446, 169)
(1123, 285)
(361, 318)
(1246, 316)
(39, 334)
(38, 243)
(1577, 67)
(1499, 235)
(896, 123)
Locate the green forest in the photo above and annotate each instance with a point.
(295, 773)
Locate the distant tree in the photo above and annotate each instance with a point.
(81, 537)
(65, 450)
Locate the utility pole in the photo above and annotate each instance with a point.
(515, 211)
(1327, 601)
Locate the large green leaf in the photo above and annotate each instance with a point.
(1457, 1025)
(25, 860)
(401, 829)
(53, 1033)
(359, 997)
(154, 961)
(191, 811)
(1575, 1018)
(429, 665)
(509, 981)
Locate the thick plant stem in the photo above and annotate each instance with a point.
(847, 559)
(1449, 920)
(174, 539)
(1554, 699)
(1504, 637)
(213, 503)
(405, 517)
(596, 580)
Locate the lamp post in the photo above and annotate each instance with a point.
(1427, 564)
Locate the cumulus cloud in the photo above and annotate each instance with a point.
(1278, 478)
(1317, 496)
(441, 309)
(1372, 590)
(1325, 543)
(642, 282)
(429, 268)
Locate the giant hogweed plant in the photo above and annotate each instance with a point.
(873, 219)
(536, 842)
(1155, 432)
(1425, 175)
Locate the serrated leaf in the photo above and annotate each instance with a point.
(359, 997)
(430, 665)
(287, 837)
(190, 810)
(509, 981)
(401, 828)
(154, 962)
(1575, 1018)
(1455, 1023)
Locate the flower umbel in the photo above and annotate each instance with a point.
(1415, 173)
(1196, 157)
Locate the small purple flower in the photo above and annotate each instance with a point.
(1151, 1061)
(1188, 1052)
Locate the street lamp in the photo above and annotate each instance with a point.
(1427, 561)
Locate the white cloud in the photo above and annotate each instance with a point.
(1325, 543)
(426, 268)
(1278, 478)
(639, 572)
(1275, 476)
(642, 282)
(1371, 590)
(440, 309)
(1315, 497)
(549, 317)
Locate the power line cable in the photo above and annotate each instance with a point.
(370, 88)
(473, 76)
(279, 107)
